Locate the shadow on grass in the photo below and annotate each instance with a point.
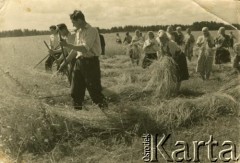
(190, 93)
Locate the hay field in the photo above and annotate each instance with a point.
(38, 124)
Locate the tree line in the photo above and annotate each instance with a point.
(196, 26)
(22, 32)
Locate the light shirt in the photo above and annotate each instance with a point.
(89, 38)
(203, 44)
(54, 41)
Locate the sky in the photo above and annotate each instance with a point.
(40, 14)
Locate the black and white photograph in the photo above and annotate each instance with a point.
(110, 81)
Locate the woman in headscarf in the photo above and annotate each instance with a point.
(171, 33)
(189, 43)
(118, 39)
(206, 53)
(170, 48)
(222, 43)
(150, 48)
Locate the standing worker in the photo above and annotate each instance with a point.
(222, 52)
(206, 54)
(86, 74)
(189, 43)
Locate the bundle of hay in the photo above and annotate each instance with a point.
(163, 78)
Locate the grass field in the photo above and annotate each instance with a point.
(38, 124)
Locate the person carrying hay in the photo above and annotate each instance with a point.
(170, 48)
(205, 57)
(171, 69)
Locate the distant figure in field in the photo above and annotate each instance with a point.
(150, 48)
(171, 33)
(232, 38)
(142, 37)
(206, 54)
(236, 60)
(222, 44)
(179, 39)
(136, 46)
(102, 41)
(53, 45)
(189, 44)
(170, 48)
(128, 39)
(137, 39)
(118, 39)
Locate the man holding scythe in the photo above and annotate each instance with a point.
(86, 74)
(70, 38)
(54, 52)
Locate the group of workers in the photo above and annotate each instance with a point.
(81, 50)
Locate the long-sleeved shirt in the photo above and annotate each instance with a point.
(206, 43)
(89, 38)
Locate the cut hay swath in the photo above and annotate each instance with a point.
(163, 78)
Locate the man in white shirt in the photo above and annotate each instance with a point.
(86, 73)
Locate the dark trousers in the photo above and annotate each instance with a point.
(86, 75)
(71, 68)
(50, 60)
(222, 56)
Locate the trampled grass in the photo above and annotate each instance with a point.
(38, 124)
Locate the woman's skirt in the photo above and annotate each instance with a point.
(222, 56)
(181, 61)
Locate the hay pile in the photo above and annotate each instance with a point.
(163, 78)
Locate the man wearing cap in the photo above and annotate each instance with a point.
(54, 45)
(86, 74)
